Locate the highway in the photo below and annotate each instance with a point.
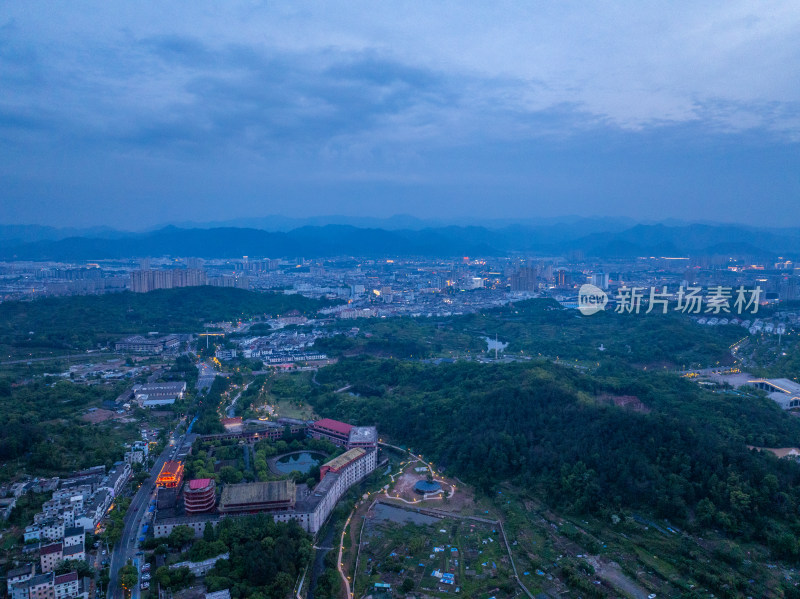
(127, 547)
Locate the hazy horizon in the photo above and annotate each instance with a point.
(395, 222)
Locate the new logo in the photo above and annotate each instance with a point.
(591, 299)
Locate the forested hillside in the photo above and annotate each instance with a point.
(675, 451)
(42, 425)
(541, 327)
(82, 321)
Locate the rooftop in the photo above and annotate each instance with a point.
(52, 548)
(171, 468)
(344, 459)
(73, 549)
(160, 388)
(68, 577)
(334, 425)
(74, 531)
(186, 520)
(46, 578)
(261, 492)
(781, 385)
(199, 483)
(309, 503)
(23, 570)
(363, 434)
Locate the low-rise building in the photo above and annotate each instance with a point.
(200, 568)
(66, 585)
(784, 392)
(137, 453)
(137, 344)
(162, 527)
(7, 505)
(95, 510)
(74, 552)
(334, 431)
(32, 533)
(20, 574)
(52, 529)
(40, 586)
(248, 498)
(75, 535)
(116, 478)
(50, 555)
(159, 394)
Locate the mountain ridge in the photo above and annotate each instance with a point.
(447, 241)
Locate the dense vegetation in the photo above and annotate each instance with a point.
(543, 328)
(250, 396)
(558, 434)
(208, 407)
(84, 321)
(42, 426)
(265, 557)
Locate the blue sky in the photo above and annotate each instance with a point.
(134, 114)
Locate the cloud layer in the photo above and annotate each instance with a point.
(354, 107)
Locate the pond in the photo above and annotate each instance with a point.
(303, 462)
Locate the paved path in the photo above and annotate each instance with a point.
(231, 410)
(349, 595)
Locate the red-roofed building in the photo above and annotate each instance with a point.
(66, 585)
(334, 431)
(199, 496)
(50, 555)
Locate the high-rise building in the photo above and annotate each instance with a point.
(145, 280)
(525, 279)
(600, 279)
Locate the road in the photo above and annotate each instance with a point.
(68, 357)
(205, 376)
(127, 547)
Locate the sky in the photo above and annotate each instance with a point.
(131, 115)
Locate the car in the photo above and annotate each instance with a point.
(145, 576)
(145, 585)
(104, 551)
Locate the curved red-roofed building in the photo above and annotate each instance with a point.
(334, 431)
(199, 496)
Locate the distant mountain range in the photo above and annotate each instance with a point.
(593, 237)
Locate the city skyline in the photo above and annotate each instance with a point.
(134, 117)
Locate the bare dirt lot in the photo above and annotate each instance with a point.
(99, 415)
